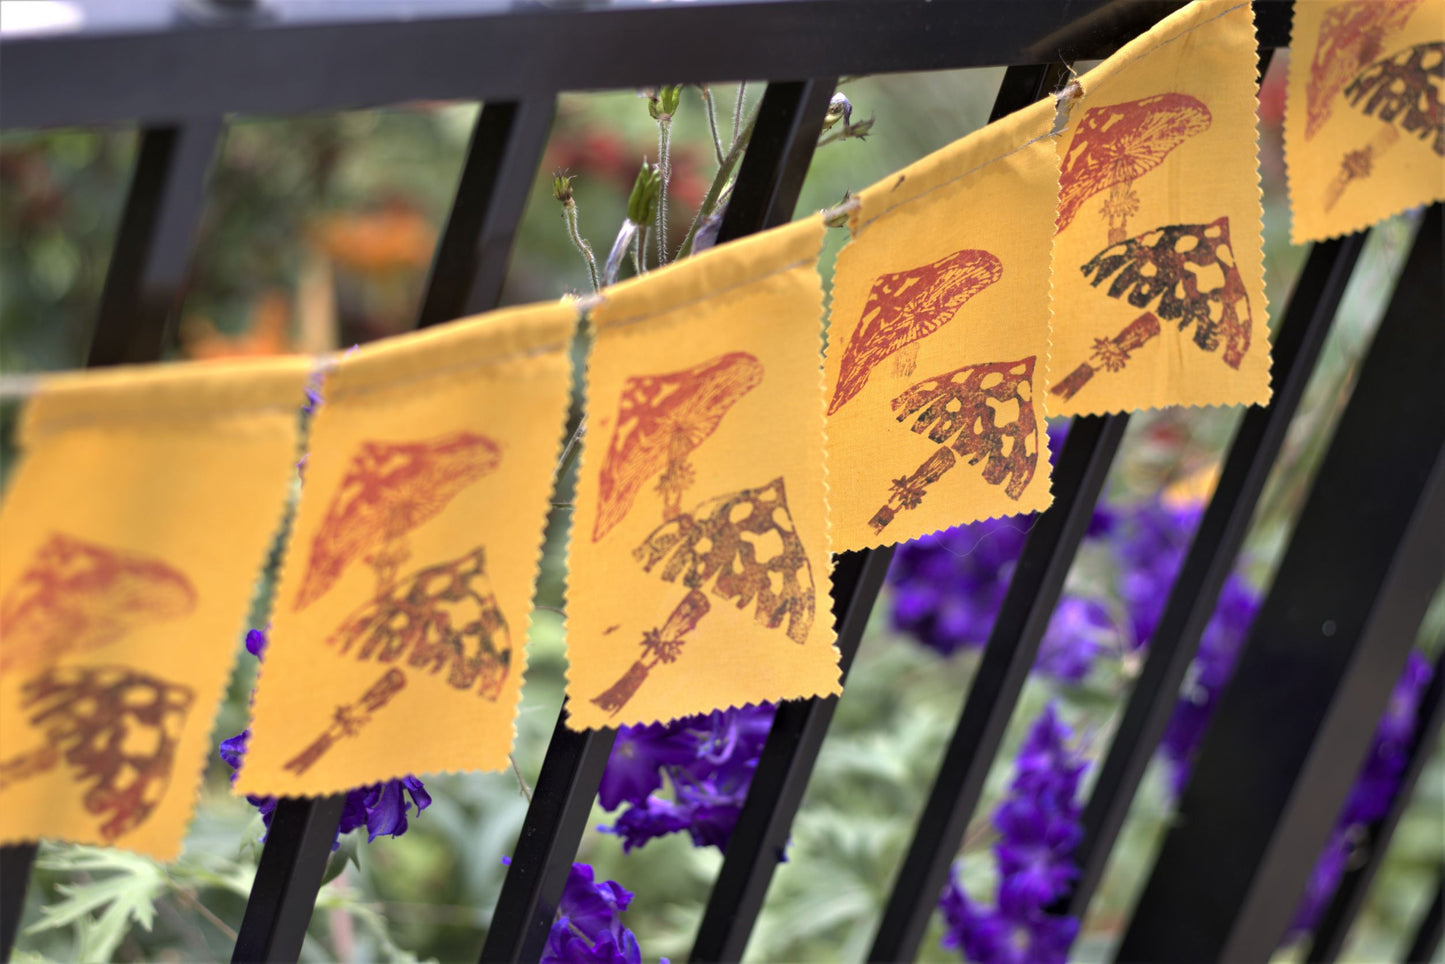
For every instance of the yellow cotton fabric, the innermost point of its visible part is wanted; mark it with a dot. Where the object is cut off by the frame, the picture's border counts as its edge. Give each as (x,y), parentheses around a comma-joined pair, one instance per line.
(938,346)
(1158,261)
(397,641)
(1364,135)
(134,529)
(699,572)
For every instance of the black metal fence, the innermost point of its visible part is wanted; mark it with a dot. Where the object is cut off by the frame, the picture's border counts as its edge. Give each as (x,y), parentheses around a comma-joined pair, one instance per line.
(1365,557)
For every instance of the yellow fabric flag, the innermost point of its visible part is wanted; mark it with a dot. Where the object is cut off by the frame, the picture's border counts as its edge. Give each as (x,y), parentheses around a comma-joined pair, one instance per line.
(1158,259)
(699,574)
(134,529)
(938,348)
(1364,130)
(397,644)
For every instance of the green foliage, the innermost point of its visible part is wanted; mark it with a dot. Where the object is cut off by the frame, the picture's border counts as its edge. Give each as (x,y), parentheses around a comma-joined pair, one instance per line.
(101,909)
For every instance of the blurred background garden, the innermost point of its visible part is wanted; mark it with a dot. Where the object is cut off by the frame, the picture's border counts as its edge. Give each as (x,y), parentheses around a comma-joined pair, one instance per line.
(319,235)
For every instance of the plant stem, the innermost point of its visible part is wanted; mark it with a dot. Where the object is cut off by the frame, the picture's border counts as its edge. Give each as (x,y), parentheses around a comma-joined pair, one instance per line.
(712,121)
(738,111)
(716,189)
(569,214)
(664,163)
(637,242)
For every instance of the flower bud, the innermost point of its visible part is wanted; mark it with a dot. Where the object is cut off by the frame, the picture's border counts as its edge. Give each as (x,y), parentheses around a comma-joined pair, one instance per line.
(839,109)
(642,203)
(664,102)
(562,187)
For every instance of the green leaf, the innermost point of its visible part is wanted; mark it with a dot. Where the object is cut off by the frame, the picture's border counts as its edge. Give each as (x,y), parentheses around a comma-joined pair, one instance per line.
(103,908)
(340,857)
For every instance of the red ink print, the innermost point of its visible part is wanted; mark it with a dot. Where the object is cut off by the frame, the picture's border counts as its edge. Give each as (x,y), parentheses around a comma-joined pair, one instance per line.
(905,306)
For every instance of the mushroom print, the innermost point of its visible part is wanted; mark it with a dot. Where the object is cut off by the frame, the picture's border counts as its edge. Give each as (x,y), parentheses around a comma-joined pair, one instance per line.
(660,420)
(744,547)
(389,490)
(444,620)
(1115,145)
(116,728)
(1351,36)
(905,306)
(77,596)
(1189,269)
(1403,89)
(441,617)
(965,405)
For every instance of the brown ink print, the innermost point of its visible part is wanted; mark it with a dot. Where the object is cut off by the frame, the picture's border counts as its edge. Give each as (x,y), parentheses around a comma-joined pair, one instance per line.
(743,547)
(1188,274)
(77,596)
(661,419)
(1115,145)
(444,620)
(440,617)
(389,489)
(967,411)
(906,306)
(1351,35)
(1403,89)
(116,727)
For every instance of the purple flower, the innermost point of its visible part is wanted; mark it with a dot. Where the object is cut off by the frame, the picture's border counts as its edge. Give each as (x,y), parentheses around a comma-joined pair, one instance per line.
(1150,542)
(1038,825)
(1373,792)
(708,763)
(1079,630)
(589,925)
(380,807)
(947,587)
(634,768)
(1209,673)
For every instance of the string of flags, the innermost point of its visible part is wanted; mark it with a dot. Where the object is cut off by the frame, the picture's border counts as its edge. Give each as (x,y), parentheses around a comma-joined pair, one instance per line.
(1097,252)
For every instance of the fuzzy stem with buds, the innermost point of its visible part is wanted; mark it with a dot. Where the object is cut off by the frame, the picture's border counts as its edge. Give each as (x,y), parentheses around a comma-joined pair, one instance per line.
(719,183)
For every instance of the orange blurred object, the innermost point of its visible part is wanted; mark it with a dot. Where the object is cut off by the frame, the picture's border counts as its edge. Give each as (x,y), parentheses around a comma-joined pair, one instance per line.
(268,334)
(393,238)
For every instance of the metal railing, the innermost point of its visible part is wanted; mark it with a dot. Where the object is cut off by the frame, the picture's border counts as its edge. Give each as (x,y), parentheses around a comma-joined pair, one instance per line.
(1363,561)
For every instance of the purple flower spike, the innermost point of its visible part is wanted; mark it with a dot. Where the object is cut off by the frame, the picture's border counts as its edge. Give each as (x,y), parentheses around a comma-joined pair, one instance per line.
(588,928)
(707,760)
(1373,793)
(1038,825)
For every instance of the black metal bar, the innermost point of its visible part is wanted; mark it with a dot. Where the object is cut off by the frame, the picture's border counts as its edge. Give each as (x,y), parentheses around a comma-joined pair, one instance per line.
(1216,543)
(542,858)
(796,736)
(302,58)
(152,248)
(15,862)
(1327,646)
(1018,629)
(790,118)
(476,246)
(1432,926)
(759,840)
(1334,925)
(284,891)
